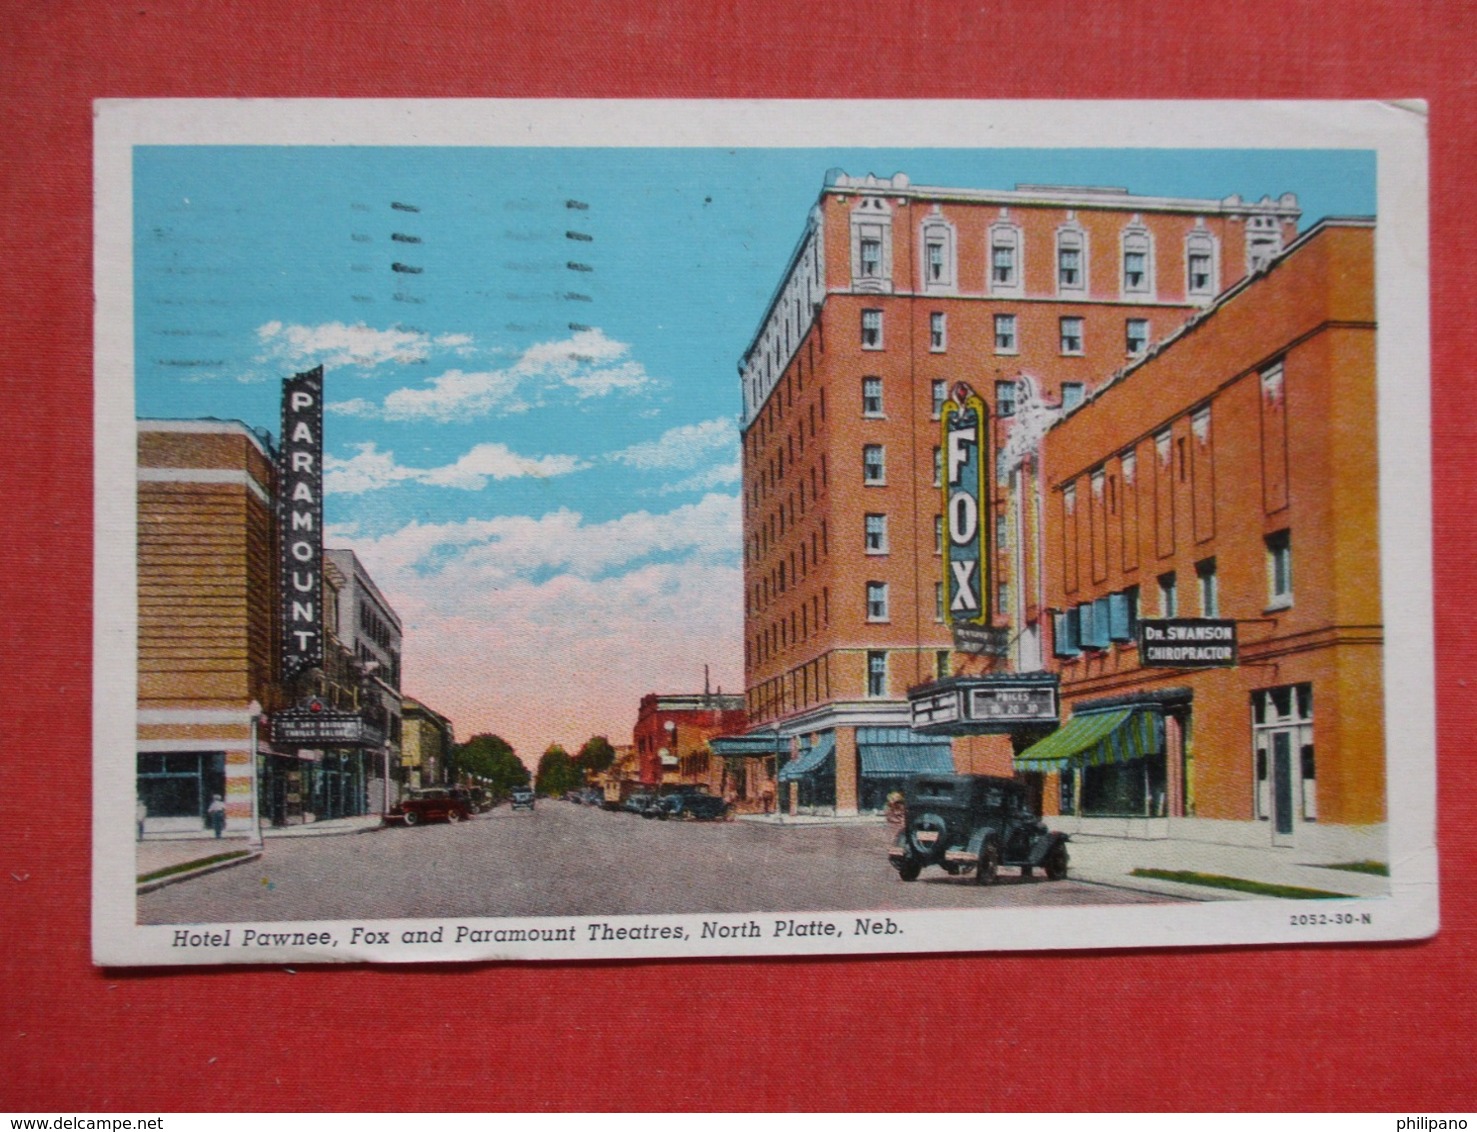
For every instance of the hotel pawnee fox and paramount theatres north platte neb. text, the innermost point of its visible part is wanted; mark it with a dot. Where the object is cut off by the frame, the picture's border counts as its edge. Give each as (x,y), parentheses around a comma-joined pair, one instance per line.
(1073,485)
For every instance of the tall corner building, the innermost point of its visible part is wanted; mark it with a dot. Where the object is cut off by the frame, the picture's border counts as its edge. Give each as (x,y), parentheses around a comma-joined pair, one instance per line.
(894,295)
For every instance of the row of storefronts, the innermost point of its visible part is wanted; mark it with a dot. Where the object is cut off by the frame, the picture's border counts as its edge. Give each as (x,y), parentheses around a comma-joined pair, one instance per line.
(223,717)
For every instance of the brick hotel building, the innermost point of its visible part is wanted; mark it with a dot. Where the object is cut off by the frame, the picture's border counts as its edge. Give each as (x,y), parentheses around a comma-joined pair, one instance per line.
(1035,298)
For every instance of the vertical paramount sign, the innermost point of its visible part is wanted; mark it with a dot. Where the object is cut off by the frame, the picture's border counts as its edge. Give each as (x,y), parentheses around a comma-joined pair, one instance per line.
(300,515)
(966,510)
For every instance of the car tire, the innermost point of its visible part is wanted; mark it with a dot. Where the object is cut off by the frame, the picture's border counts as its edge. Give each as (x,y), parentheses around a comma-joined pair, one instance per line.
(909,870)
(453,816)
(989,864)
(412,818)
(1056,862)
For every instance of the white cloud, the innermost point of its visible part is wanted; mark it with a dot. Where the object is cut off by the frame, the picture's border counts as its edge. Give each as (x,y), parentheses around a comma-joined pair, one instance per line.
(588,364)
(550,628)
(723,475)
(336,345)
(685,446)
(369,469)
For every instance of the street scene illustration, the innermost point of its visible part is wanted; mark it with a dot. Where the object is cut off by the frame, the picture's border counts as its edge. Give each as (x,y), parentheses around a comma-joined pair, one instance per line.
(576,532)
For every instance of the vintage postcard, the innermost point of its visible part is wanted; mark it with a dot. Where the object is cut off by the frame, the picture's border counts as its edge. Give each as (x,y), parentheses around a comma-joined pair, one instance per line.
(595,530)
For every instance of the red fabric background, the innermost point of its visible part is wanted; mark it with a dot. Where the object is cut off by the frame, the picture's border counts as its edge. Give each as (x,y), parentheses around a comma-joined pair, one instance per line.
(1381,1027)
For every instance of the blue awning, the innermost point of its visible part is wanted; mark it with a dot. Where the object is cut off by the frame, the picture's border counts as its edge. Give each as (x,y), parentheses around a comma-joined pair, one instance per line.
(811,761)
(757,745)
(1097,739)
(902,759)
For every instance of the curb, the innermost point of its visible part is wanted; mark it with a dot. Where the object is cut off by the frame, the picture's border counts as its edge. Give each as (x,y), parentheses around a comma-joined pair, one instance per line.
(204,870)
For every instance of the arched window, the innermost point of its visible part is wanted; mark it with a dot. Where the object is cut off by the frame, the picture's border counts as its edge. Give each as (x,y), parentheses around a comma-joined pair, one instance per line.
(1202,269)
(1138,260)
(938,253)
(1006,259)
(1071,260)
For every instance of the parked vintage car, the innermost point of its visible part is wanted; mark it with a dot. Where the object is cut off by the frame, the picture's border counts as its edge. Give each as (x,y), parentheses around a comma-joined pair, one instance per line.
(694,807)
(974,823)
(638,803)
(433,804)
(522,797)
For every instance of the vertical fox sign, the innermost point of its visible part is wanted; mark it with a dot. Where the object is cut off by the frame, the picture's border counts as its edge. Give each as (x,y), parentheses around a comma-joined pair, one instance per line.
(300,514)
(966,509)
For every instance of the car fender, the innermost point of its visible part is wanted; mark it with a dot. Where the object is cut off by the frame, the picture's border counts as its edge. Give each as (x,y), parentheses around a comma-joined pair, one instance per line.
(1043,843)
(980,836)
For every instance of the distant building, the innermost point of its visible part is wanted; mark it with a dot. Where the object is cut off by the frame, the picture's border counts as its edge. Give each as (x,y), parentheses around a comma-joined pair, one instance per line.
(672,733)
(426,743)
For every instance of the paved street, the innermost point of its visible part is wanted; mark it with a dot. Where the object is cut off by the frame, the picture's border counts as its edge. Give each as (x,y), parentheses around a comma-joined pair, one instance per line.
(564,859)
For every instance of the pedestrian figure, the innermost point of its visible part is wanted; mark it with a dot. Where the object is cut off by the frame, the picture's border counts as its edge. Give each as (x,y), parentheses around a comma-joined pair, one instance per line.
(216,815)
(897,810)
(141,811)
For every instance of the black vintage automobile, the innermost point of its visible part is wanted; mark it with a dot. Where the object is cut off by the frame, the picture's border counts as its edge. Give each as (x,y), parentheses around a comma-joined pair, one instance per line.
(694,806)
(974,823)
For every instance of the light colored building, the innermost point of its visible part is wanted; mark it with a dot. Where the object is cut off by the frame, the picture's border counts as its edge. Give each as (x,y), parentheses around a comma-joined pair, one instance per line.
(426,743)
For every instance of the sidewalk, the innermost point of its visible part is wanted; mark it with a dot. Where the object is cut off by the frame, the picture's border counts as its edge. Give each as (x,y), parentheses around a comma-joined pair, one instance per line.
(165,850)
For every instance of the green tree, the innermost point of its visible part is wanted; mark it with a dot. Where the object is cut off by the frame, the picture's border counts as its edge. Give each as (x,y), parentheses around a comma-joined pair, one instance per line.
(491,757)
(556,772)
(595,756)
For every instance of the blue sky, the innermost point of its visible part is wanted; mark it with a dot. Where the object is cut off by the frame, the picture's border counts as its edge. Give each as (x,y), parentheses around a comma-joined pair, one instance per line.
(532,438)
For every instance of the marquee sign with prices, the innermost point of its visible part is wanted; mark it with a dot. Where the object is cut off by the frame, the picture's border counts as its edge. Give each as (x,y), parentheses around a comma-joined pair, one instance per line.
(1187,642)
(985,705)
(315,724)
(966,458)
(300,518)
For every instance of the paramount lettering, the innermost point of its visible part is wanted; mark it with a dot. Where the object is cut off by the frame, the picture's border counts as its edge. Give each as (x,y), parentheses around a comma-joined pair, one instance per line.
(300,521)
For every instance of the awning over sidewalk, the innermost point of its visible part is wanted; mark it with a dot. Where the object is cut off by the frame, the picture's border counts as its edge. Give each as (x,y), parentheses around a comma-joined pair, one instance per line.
(757,745)
(1097,739)
(900,759)
(810,761)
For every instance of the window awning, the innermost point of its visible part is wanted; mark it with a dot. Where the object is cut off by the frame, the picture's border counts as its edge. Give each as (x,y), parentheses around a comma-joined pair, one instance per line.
(1097,739)
(811,761)
(756,745)
(901,759)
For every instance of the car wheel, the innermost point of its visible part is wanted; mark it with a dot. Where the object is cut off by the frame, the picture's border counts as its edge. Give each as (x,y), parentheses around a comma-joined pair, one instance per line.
(1056,862)
(909,870)
(453,816)
(951,868)
(412,818)
(989,865)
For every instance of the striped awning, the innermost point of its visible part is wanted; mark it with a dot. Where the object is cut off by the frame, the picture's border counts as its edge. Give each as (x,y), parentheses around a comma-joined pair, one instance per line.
(758,744)
(901,759)
(1097,739)
(810,761)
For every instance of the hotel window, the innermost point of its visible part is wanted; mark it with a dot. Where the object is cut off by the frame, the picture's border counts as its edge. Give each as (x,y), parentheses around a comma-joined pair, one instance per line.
(936,265)
(871,330)
(1138,261)
(938,601)
(876,601)
(1005,340)
(937,332)
(871,396)
(1005,259)
(874,464)
(1002,598)
(871,255)
(1071,261)
(1210,594)
(938,252)
(1073,393)
(1136,335)
(938,534)
(1071,335)
(1169,603)
(1279,569)
(940,395)
(1002,539)
(941,663)
(876,673)
(938,467)
(1005,392)
(1064,634)
(1200,281)
(876,534)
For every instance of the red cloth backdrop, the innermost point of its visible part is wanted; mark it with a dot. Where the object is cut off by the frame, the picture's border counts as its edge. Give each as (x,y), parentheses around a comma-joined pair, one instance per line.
(1378,1027)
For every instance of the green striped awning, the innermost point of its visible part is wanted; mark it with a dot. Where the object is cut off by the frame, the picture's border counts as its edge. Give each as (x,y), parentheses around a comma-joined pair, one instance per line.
(1097,739)
(811,761)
